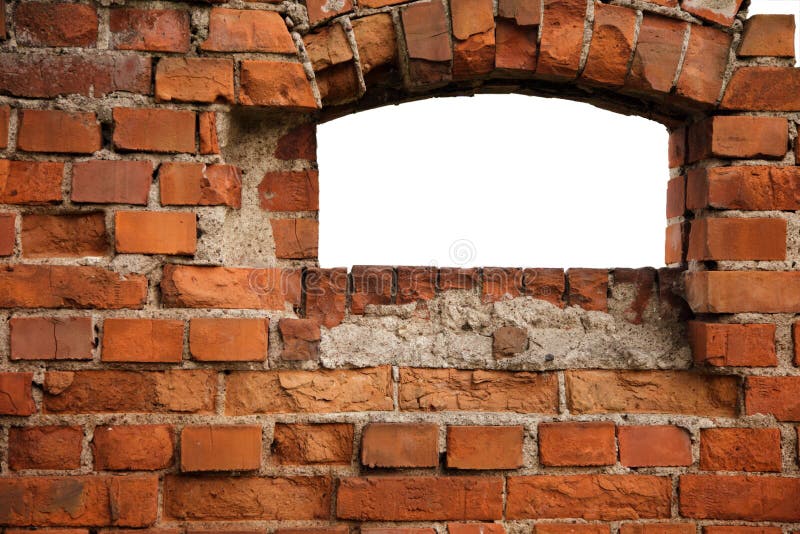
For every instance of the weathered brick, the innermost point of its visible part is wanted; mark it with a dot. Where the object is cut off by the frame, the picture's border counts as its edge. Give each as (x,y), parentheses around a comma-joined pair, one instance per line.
(228,340)
(516,46)
(562,39)
(246,498)
(221,448)
(16,396)
(150,232)
(523,12)
(474,39)
(58,131)
(774,395)
(733,345)
(451,278)
(484,447)
(571,528)
(133,447)
(744,188)
(235,30)
(676,197)
(768,35)
(326,291)
(612,45)
(206,80)
(427,36)
(51,75)
(142,340)
(91,501)
(289,191)
(739,137)
(415,284)
(591,497)
(747,498)
(677,147)
(737,239)
(198,184)
(509,341)
(377,44)
(61,286)
(371,285)
(275,84)
(420,498)
(111,182)
(8,233)
(501,284)
(189,286)
(595,391)
(207,132)
(400,445)
(5,118)
(180,391)
(321,391)
(155,30)
(154,130)
(299,142)
(475,528)
(545,284)
(40,24)
(577,444)
(658,528)
(44,447)
(658,52)
(652,446)
(51,338)
(739,529)
(295,238)
(495,391)
(313,444)
(675,243)
(721,291)
(71,235)
(319,10)
(713,10)
(704,65)
(328,47)
(301,339)
(588,288)
(740,449)
(762,89)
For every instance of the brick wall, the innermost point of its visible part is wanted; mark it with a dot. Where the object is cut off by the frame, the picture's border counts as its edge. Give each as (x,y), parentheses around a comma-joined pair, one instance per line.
(172,357)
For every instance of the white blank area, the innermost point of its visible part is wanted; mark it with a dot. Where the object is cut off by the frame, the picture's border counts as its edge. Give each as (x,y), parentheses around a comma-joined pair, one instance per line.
(492,180)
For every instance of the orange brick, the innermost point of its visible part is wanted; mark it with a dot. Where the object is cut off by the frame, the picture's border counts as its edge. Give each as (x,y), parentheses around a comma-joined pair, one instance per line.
(204,80)
(400,445)
(768,35)
(651,446)
(207,132)
(721,13)
(739,137)
(658,528)
(571,528)
(289,191)
(475,528)
(70,235)
(241,340)
(51,338)
(275,84)
(301,339)
(484,447)
(612,45)
(326,290)
(58,131)
(190,286)
(154,130)
(737,239)
(501,284)
(474,37)
(156,30)
(45,447)
(295,238)
(762,89)
(562,39)
(658,53)
(221,448)
(189,184)
(733,345)
(704,65)
(746,498)
(111,182)
(415,284)
(30,182)
(577,444)
(313,444)
(142,340)
(773,395)
(721,291)
(147,232)
(740,449)
(676,195)
(8,233)
(133,447)
(588,288)
(545,284)
(235,30)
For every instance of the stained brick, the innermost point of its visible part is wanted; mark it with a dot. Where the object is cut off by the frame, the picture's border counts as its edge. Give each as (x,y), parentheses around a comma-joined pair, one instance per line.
(8,233)
(51,338)
(474,34)
(326,290)
(72,235)
(371,285)
(562,39)
(762,89)
(415,284)
(588,288)
(301,339)
(612,45)
(658,51)
(713,11)
(704,65)
(313,444)
(768,35)
(44,447)
(319,10)
(501,284)
(545,284)
(40,24)
(155,30)
(16,397)
(427,38)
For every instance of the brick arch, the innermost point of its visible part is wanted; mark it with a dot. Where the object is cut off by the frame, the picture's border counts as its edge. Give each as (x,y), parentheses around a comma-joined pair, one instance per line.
(172,356)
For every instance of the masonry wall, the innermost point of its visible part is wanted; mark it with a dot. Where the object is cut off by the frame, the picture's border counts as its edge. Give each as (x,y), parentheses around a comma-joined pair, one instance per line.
(173,360)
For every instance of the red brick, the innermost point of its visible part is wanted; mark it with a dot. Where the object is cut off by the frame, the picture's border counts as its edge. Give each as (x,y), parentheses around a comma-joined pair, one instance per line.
(545,284)
(326,290)
(796,341)
(612,45)
(562,39)
(588,288)
(190,286)
(658,51)
(207,132)
(415,284)
(221,448)
(8,233)
(509,341)
(577,444)
(740,449)
(451,278)
(571,528)
(16,396)
(58,131)
(30,182)
(295,238)
(477,391)
(745,188)
(747,498)
(501,284)
(720,12)
(149,232)
(523,12)
(371,285)
(340,529)
(246,498)
(235,30)
(427,36)
(674,243)
(328,47)
(739,137)
(658,528)
(206,80)
(396,530)
(516,46)
(276,84)
(45,447)
(142,340)
(474,40)
(5,117)
(721,291)
(320,391)
(377,46)
(484,447)
(762,89)
(768,35)
(591,497)
(739,529)
(241,340)
(51,75)
(677,147)
(737,239)
(111,182)
(313,444)
(155,30)
(676,197)
(301,339)
(733,345)
(198,184)
(289,191)
(400,445)
(154,130)
(704,65)
(133,447)
(61,286)
(51,338)
(91,501)
(420,498)
(679,392)
(773,395)
(298,143)
(72,235)
(319,10)
(179,391)
(653,446)
(475,528)
(40,24)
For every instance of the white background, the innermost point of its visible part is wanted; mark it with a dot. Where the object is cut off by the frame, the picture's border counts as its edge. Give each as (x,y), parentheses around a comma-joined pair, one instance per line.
(496,180)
